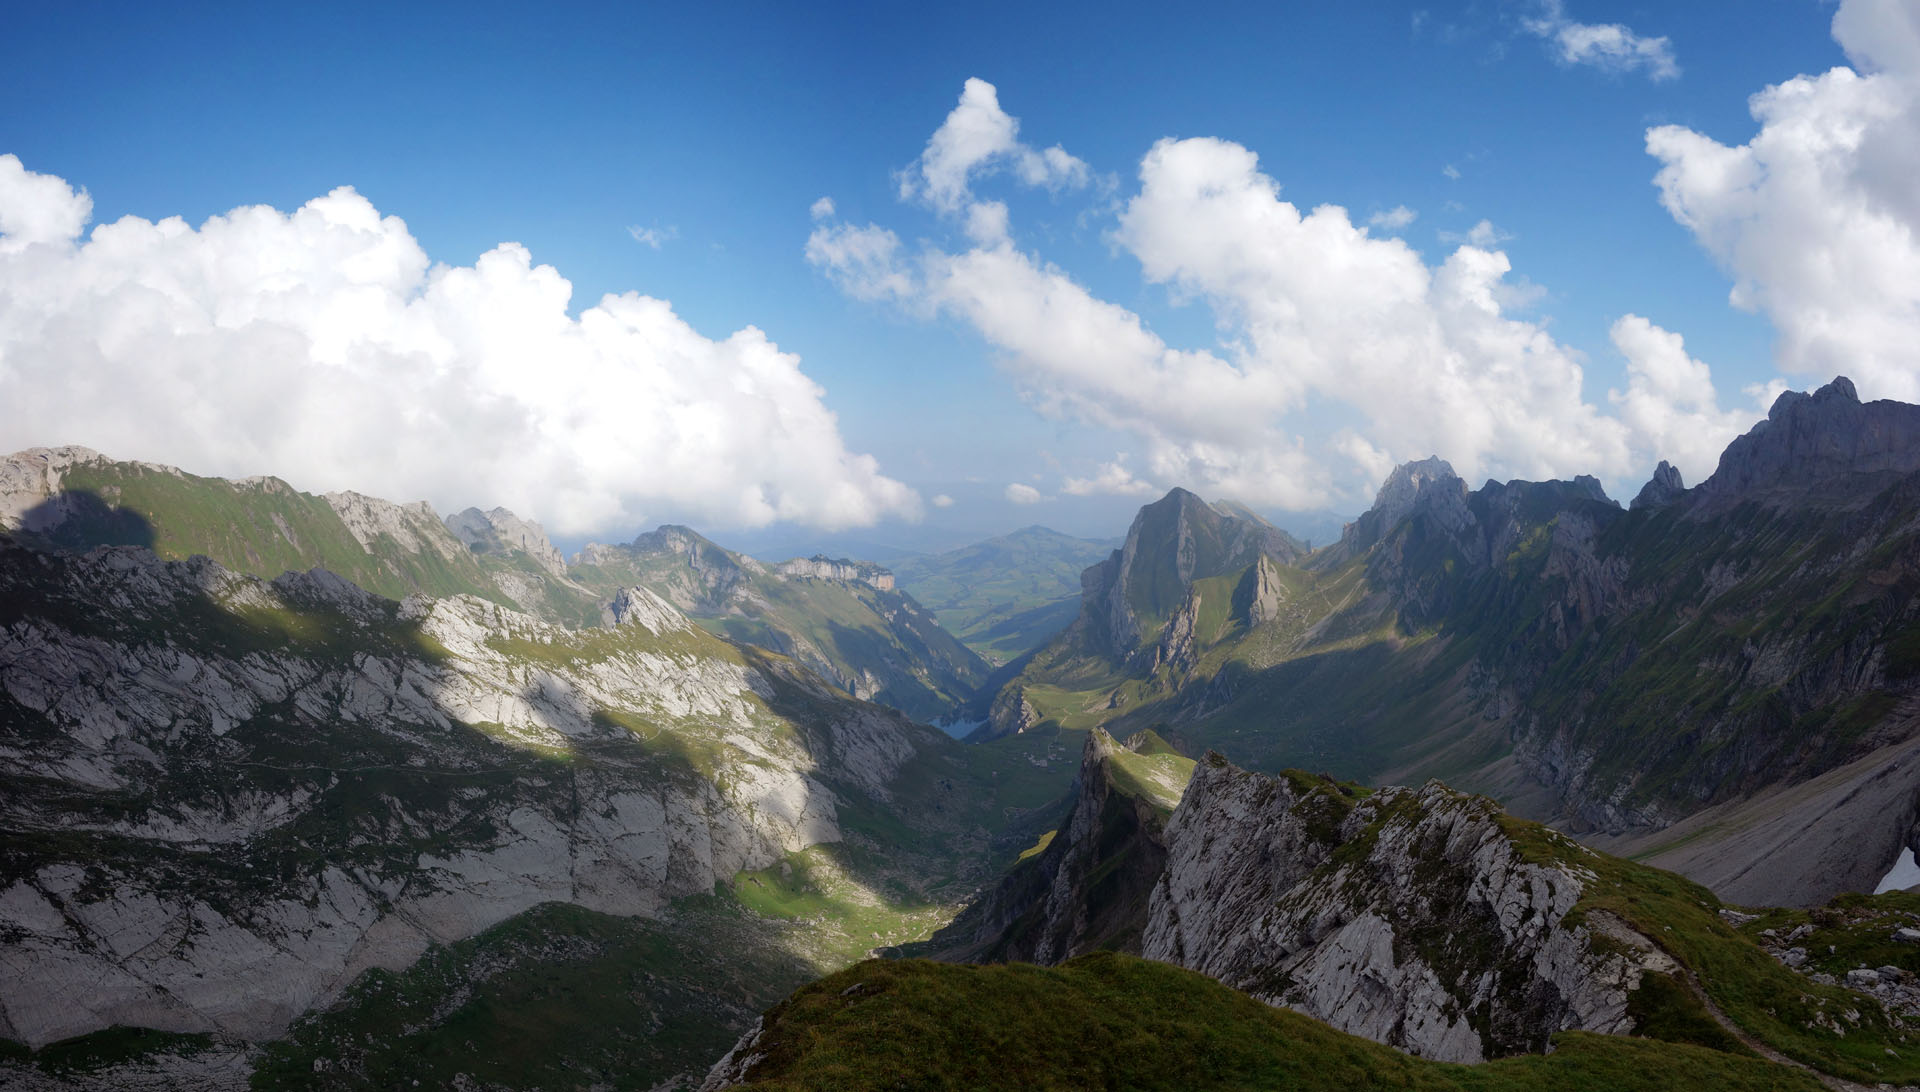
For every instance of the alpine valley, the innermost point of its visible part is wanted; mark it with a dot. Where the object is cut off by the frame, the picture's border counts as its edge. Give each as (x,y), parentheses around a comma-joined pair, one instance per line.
(1512,787)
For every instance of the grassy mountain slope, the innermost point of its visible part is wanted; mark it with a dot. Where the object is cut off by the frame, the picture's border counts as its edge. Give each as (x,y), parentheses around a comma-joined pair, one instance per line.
(265,527)
(1005,595)
(1112,1021)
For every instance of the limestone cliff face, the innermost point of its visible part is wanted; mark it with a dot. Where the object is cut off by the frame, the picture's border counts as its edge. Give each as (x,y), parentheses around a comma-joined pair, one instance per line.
(225,798)
(1408,916)
(820,567)
(414,527)
(1811,443)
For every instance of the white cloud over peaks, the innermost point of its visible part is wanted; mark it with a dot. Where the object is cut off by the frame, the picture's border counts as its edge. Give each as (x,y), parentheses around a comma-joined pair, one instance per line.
(1670,402)
(1319,307)
(1817,217)
(323,346)
(1610,47)
(978,136)
(1340,353)
(1021,493)
(1110,479)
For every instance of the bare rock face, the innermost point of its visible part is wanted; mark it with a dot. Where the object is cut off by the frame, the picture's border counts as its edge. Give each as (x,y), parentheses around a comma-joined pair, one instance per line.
(1176,648)
(820,567)
(1088,889)
(1826,447)
(1258,598)
(1011,714)
(500,531)
(1662,489)
(1172,542)
(29,478)
(1429,487)
(640,607)
(1408,916)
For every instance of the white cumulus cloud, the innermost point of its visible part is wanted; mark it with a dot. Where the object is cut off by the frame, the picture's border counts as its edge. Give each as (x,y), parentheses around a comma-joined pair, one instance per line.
(941,500)
(1817,217)
(1611,47)
(1022,493)
(1340,353)
(821,209)
(1392,219)
(1110,479)
(979,136)
(324,346)
(1670,402)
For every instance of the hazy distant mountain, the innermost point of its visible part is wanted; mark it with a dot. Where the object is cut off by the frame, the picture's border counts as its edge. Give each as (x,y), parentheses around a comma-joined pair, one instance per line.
(844,619)
(1006,595)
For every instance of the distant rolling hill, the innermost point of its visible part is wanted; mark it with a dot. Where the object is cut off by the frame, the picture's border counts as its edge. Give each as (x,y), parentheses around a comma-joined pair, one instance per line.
(1007,595)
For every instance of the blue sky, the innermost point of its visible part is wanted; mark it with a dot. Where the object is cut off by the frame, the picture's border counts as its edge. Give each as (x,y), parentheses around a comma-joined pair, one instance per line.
(676,152)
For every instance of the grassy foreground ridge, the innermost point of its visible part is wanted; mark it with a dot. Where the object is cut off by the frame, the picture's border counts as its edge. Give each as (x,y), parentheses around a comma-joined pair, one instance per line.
(1108,1021)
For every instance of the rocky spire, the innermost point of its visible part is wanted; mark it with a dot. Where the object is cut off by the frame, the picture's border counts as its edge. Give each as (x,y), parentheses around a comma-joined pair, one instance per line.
(1661,490)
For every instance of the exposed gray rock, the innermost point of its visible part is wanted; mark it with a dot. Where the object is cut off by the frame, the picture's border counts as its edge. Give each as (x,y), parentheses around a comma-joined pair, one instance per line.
(1257,599)
(1171,542)
(820,567)
(1662,489)
(1408,916)
(640,607)
(1823,448)
(1011,714)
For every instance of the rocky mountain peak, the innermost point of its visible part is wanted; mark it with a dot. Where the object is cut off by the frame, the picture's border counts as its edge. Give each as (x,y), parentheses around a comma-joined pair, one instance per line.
(1172,542)
(1661,490)
(1426,487)
(1826,447)
(500,531)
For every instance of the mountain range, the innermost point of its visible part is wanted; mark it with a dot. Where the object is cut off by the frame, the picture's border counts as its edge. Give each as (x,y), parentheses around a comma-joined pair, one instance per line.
(326,791)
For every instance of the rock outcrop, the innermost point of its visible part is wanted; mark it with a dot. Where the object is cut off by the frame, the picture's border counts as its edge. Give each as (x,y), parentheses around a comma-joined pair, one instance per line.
(844,620)
(820,567)
(1408,916)
(640,607)
(1257,599)
(1826,448)
(414,528)
(1662,489)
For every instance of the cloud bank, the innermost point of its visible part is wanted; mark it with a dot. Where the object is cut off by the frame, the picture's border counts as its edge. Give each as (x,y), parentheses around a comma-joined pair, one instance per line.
(1817,217)
(1320,320)
(323,346)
